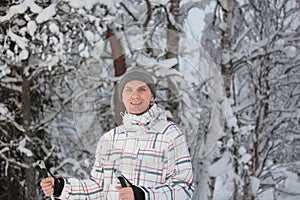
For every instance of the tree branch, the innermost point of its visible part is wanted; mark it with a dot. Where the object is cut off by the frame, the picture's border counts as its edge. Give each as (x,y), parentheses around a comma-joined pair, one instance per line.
(149,13)
(129,12)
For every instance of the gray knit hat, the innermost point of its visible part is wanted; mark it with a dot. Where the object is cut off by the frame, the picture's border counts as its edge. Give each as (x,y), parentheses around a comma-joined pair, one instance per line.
(136,74)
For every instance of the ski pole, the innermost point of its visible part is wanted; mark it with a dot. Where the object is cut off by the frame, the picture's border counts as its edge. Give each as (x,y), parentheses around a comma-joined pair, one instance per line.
(123,180)
(45,172)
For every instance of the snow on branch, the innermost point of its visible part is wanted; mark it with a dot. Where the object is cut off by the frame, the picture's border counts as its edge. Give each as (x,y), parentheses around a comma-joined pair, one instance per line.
(20,9)
(11,161)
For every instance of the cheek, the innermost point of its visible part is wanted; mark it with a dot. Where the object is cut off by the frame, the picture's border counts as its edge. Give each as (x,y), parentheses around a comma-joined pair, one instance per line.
(125,96)
(124,100)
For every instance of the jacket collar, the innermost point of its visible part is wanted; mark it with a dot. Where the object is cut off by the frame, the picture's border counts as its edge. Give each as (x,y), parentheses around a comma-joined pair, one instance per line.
(147,118)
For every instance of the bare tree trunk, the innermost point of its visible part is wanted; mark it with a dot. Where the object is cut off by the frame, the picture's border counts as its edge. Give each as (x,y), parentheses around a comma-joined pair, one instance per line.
(120,68)
(172,45)
(226,44)
(26,113)
(172,38)
(117,53)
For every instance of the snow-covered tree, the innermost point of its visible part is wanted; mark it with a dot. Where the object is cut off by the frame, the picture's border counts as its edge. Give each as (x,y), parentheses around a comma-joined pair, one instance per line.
(60,60)
(258,52)
(42,43)
(56,68)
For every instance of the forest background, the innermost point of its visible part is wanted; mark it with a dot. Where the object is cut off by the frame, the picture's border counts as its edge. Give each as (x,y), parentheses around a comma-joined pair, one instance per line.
(227,72)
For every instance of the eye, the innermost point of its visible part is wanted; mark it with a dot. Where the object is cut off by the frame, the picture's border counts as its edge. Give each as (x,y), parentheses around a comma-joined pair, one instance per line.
(143,89)
(127,90)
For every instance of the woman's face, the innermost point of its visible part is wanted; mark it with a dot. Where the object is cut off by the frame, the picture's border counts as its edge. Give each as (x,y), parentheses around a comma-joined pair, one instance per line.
(136,97)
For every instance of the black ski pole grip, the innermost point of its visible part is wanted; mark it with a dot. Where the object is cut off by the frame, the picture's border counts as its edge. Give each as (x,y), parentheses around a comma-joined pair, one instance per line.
(121,178)
(122,181)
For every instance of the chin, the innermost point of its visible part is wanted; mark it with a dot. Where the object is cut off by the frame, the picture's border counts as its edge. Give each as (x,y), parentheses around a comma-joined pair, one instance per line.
(136,112)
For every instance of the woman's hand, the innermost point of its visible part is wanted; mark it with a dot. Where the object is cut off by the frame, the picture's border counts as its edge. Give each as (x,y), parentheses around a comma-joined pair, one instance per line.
(47,185)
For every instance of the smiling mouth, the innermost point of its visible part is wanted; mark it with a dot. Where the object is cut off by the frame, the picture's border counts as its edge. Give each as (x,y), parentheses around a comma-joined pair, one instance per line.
(135,103)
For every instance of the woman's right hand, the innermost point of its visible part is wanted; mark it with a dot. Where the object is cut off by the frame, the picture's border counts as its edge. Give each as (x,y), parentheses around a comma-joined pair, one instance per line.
(47,185)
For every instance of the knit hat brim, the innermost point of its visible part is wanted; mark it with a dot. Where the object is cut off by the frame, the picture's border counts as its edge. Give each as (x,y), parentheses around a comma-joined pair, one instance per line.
(136,74)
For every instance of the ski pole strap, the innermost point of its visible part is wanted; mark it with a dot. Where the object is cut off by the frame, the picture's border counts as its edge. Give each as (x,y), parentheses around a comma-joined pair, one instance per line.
(58,186)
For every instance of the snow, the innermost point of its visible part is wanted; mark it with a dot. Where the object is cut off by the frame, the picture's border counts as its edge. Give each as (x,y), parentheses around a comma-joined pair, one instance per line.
(3,112)
(4,150)
(23,149)
(292,186)
(159,2)
(291,51)
(255,183)
(230,118)
(20,9)
(230,143)
(242,151)
(267,195)
(32,6)
(220,168)
(187,100)
(91,37)
(22,42)
(77,3)
(46,14)
(151,62)
(195,22)
(81,47)
(31,27)
(53,28)
(224,189)
(246,158)
(4,70)
(23,54)
(84,51)
(88,4)
(246,130)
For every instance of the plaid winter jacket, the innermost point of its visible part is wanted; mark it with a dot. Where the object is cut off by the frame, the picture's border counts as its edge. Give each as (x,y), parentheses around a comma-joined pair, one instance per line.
(151,153)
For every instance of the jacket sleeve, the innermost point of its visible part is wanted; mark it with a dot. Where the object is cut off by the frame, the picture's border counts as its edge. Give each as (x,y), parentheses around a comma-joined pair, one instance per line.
(90,188)
(179,178)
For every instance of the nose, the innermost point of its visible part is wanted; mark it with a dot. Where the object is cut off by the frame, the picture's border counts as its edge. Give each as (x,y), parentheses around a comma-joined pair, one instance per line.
(134,93)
